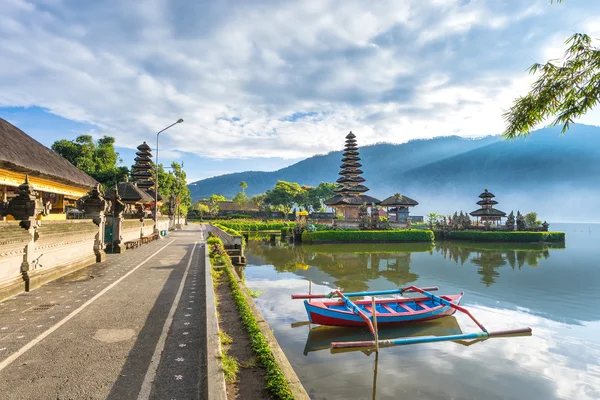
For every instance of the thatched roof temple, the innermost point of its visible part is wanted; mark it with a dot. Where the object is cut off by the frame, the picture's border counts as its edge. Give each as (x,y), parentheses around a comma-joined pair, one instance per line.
(487,212)
(57,180)
(350,190)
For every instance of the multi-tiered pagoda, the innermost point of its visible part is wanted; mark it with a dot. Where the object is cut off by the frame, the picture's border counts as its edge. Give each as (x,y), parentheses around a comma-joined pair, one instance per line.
(350,190)
(487,212)
(142,169)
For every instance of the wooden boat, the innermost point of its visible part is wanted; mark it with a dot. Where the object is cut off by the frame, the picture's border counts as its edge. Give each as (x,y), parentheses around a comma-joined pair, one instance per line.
(346,312)
(388,311)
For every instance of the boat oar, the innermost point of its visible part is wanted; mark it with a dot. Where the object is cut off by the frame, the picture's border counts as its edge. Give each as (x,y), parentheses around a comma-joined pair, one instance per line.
(357,294)
(429,339)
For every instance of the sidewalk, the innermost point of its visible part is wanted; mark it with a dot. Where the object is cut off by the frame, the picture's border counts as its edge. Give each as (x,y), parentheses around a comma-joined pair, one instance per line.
(131,327)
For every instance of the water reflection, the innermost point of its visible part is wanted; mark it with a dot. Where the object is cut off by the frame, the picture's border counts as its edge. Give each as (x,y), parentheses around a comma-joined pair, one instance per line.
(553,290)
(490,257)
(352,266)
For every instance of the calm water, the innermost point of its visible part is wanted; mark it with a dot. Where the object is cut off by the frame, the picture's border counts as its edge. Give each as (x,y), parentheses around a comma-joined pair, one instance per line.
(553,289)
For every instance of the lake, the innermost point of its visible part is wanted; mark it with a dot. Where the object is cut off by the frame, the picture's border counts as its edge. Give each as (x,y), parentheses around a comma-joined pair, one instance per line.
(551,288)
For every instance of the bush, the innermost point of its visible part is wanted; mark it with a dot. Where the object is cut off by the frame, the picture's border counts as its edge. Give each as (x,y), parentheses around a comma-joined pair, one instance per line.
(285,231)
(355,236)
(251,225)
(507,236)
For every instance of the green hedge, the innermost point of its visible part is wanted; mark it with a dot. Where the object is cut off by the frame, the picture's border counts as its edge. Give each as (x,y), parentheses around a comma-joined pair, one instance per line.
(409,235)
(506,236)
(250,225)
(285,231)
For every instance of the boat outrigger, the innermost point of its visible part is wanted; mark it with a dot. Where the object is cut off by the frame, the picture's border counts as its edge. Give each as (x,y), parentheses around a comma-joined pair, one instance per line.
(345,312)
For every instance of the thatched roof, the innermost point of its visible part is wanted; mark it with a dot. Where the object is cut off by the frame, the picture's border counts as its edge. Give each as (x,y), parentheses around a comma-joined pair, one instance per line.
(399,200)
(345,179)
(21,153)
(350,135)
(144,147)
(486,201)
(130,193)
(350,189)
(488,212)
(486,194)
(351,200)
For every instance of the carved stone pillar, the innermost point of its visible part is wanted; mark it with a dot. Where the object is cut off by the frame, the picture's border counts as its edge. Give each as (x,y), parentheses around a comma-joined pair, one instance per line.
(95,206)
(25,208)
(117,207)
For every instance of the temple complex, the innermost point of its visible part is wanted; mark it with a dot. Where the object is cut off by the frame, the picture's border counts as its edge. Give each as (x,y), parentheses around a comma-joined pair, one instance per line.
(350,190)
(57,182)
(487,213)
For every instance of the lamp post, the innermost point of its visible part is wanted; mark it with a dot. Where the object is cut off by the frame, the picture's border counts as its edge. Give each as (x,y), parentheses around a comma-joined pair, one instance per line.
(156,179)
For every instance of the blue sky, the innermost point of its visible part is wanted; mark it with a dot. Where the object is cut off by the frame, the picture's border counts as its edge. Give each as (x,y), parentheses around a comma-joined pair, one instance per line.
(262,84)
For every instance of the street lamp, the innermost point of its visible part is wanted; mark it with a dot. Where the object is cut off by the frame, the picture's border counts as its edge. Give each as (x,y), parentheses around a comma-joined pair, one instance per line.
(156,179)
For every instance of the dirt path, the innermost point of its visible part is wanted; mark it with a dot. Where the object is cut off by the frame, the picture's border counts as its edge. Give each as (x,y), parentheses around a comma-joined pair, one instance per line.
(251,377)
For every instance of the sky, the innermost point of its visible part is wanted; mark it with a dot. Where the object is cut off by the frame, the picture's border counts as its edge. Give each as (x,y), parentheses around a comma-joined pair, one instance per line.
(262,84)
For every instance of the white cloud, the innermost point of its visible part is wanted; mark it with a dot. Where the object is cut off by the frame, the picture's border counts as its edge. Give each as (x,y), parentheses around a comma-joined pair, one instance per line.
(237,71)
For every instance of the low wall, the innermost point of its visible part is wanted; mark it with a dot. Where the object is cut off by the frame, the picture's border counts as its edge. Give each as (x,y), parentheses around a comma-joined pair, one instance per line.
(59,247)
(225,237)
(131,229)
(13,240)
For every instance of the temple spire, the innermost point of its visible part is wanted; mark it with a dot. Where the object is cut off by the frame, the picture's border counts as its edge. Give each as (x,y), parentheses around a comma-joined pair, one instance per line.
(351,181)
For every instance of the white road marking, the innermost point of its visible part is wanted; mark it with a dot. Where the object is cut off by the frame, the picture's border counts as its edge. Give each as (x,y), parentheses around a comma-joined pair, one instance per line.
(9,360)
(160,346)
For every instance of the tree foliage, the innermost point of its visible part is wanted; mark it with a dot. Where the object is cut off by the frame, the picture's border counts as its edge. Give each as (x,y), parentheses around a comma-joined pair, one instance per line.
(173,185)
(97,159)
(284,195)
(565,90)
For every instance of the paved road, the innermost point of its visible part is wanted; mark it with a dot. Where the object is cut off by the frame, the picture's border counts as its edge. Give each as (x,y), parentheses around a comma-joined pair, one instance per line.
(129,328)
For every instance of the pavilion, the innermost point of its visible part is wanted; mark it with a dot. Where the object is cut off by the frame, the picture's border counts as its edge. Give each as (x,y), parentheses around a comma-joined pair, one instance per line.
(487,213)
(350,195)
(58,182)
(398,206)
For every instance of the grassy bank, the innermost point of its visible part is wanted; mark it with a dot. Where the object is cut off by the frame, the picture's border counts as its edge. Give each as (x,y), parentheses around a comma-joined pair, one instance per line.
(339,236)
(523,237)
(275,381)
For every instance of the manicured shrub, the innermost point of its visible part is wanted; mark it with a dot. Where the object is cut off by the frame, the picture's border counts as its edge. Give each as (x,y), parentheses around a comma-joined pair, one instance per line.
(409,235)
(252,224)
(506,236)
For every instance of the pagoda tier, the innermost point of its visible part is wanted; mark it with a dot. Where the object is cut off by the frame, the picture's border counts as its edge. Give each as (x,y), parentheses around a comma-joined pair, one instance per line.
(142,169)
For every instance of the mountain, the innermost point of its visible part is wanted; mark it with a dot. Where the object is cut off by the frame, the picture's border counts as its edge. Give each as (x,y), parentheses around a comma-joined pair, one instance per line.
(378,161)
(556,175)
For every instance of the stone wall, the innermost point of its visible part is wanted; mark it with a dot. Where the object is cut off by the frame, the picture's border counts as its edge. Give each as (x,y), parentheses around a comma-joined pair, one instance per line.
(55,248)
(131,229)
(13,240)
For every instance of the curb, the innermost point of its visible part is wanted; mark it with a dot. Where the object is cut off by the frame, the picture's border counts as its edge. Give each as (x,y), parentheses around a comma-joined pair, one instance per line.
(214,372)
(296,387)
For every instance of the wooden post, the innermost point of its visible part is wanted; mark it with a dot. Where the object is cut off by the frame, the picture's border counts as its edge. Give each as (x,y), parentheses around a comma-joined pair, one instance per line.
(309,288)
(4,197)
(374,313)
